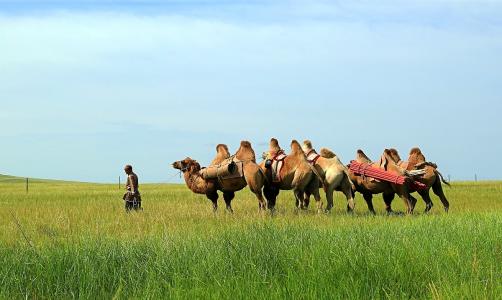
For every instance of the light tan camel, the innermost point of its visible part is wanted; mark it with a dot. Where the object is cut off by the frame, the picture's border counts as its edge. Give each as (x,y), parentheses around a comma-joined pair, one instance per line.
(369,186)
(431,178)
(253,177)
(334,174)
(296,174)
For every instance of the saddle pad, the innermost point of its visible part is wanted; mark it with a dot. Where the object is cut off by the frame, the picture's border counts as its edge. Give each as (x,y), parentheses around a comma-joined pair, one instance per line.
(229,168)
(237,172)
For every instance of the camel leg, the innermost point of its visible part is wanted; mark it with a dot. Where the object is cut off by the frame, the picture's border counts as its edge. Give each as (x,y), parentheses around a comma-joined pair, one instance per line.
(255,181)
(228,196)
(405,195)
(437,188)
(317,197)
(427,199)
(299,194)
(368,197)
(413,202)
(257,191)
(329,198)
(347,191)
(261,201)
(214,198)
(306,200)
(387,199)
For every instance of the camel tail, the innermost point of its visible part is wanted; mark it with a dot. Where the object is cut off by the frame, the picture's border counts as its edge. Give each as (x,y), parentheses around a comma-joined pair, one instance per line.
(442,178)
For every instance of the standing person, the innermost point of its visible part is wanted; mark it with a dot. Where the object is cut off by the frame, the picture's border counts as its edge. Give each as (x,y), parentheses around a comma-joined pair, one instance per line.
(132,196)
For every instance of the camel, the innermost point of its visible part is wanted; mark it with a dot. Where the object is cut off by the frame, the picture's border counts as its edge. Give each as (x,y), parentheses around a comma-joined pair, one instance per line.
(369,187)
(253,177)
(296,174)
(334,174)
(431,178)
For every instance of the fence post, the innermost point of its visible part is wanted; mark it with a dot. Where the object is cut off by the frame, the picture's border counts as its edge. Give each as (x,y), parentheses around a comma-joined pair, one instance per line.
(119,182)
(27,184)
(449,178)
(476,177)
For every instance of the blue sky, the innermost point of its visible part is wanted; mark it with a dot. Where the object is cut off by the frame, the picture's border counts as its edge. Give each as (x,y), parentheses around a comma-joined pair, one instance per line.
(87,86)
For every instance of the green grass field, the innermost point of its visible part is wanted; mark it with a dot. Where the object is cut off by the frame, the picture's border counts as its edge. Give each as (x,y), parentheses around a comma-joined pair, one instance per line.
(74,240)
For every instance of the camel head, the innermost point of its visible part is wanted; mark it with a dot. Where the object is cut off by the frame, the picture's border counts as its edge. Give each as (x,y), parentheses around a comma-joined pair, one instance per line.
(307,146)
(246,152)
(186,165)
(416,155)
(394,155)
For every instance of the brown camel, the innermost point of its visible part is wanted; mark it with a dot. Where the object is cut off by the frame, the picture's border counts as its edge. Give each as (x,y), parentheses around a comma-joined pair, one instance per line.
(253,177)
(431,178)
(369,186)
(335,176)
(296,174)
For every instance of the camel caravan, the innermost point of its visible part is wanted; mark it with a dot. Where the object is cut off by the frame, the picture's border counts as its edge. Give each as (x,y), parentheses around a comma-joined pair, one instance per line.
(305,171)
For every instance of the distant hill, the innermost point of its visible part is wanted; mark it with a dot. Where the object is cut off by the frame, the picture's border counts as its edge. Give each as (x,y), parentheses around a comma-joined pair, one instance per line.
(8,177)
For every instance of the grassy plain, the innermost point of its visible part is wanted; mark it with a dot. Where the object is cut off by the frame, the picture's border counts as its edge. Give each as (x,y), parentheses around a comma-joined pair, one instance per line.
(73,240)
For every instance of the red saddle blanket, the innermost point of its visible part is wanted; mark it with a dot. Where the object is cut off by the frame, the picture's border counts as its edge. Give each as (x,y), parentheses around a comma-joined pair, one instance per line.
(377,173)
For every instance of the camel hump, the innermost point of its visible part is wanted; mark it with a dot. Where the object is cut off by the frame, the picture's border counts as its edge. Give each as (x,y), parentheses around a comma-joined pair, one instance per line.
(295,147)
(222,148)
(416,155)
(245,144)
(394,154)
(245,152)
(326,153)
(362,155)
(274,142)
(307,146)
(415,150)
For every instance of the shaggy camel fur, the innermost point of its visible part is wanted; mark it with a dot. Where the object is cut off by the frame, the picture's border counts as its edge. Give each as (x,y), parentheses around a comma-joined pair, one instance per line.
(253,177)
(431,178)
(335,176)
(369,187)
(296,174)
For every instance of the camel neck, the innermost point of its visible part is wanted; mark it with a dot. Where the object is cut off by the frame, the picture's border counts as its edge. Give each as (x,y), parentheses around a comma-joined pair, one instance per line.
(195,182)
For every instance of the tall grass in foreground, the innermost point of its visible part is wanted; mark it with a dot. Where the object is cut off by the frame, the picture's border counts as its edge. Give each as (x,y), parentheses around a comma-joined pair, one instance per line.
(74,241)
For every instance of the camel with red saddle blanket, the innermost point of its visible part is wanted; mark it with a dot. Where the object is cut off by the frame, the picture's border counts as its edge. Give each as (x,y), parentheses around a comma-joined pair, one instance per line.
(288,172)
(431,178)
(333,173)
(228,174)
(396,180)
